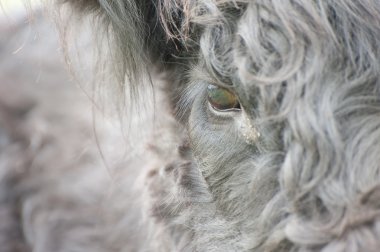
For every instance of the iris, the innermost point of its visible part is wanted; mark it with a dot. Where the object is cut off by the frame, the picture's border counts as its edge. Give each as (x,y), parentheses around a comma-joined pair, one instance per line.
(222,99)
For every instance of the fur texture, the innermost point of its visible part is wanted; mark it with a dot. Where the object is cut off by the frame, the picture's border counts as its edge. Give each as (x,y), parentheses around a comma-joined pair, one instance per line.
(296,169)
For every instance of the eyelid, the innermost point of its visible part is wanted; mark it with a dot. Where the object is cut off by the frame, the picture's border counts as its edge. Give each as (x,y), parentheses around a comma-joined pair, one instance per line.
(230,88)
(218,111)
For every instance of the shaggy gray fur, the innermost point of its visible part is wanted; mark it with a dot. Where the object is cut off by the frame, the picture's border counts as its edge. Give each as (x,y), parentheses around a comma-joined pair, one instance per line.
(296,169)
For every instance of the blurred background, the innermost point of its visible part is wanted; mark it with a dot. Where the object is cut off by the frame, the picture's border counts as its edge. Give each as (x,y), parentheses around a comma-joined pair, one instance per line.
(43,105)
(60,157)
(48,103)
(54,153)
(34,81)
(13,9)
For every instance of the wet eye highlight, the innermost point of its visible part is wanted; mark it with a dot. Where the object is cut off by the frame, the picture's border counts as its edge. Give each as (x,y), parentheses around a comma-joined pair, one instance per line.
(222,99)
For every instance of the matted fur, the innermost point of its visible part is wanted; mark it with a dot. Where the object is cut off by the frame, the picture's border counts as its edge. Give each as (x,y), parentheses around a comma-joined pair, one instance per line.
(297,169)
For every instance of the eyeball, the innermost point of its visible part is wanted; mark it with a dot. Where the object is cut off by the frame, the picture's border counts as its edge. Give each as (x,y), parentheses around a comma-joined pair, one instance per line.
(222,99)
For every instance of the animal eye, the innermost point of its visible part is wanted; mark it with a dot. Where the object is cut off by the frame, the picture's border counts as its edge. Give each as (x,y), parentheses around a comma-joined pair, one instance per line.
(222,99)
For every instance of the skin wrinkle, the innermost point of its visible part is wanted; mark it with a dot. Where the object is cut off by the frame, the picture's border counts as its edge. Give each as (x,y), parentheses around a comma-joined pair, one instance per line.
(296,169)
